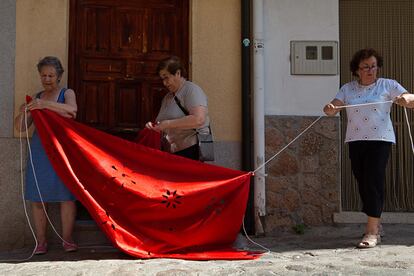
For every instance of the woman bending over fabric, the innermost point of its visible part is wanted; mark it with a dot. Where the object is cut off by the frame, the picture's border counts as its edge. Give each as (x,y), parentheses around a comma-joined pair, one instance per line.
(178,129)
(63,102)
(369,132)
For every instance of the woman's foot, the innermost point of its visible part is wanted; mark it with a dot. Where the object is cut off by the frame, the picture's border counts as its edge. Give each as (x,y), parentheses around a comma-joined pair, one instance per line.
(69,246)
(41,249)
(381,231)
(369,241)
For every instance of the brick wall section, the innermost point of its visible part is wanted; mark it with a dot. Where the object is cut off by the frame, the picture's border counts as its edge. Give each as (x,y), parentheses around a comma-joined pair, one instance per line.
(303,182)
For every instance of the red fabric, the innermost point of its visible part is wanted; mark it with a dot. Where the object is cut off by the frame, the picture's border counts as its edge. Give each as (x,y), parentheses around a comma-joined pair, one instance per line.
(150,204)
(149,138)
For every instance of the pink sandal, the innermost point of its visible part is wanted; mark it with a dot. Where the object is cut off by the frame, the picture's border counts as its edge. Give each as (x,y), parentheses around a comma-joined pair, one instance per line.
(41,249)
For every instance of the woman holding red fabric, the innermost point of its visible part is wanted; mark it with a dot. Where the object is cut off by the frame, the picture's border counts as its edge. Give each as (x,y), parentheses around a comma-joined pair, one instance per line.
(48,187)
(183,112)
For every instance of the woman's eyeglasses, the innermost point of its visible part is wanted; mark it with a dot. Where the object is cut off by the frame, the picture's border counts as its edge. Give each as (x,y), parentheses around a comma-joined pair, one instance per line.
(368,68)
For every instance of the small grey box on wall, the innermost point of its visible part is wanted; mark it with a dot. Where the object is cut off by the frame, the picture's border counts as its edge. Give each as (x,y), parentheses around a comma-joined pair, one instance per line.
(314,57)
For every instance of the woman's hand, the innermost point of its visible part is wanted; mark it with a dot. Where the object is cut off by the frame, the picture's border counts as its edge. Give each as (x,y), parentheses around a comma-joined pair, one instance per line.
(406,100)
(333,107)
(330,109)
(37,104)
(159,126)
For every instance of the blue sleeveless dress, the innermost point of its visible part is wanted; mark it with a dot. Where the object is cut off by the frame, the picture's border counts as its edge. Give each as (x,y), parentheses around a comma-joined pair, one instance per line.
(51,187)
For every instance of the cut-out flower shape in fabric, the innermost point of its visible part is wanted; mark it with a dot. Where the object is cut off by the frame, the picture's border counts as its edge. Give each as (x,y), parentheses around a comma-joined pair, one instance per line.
(171,199)
(215,205)
(122,175)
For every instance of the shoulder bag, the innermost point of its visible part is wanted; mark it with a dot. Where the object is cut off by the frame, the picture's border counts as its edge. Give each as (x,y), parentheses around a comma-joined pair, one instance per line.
(205,140)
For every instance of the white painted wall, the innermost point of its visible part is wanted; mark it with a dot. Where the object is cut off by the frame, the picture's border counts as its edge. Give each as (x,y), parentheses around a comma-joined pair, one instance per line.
(287,20)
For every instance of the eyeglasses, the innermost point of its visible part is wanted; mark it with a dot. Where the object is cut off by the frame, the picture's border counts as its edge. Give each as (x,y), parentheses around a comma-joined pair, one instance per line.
(368,68)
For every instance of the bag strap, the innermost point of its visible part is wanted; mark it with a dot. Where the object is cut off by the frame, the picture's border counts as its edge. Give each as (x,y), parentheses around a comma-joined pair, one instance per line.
(185,111)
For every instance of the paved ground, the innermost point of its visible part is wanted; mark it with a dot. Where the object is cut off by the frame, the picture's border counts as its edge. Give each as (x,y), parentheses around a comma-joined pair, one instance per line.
(320,251)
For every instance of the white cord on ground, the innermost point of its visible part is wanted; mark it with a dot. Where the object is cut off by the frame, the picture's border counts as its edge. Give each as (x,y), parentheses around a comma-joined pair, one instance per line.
(252,241)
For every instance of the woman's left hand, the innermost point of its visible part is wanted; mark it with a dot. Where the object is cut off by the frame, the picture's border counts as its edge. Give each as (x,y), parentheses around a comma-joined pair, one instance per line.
(36,104)
(406,100)
(158,127)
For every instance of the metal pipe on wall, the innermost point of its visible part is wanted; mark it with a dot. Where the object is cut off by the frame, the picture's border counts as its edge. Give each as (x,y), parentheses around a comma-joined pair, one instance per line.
(259,116)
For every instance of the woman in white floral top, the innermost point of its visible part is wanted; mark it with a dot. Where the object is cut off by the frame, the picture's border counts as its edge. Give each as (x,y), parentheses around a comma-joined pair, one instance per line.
(369,132)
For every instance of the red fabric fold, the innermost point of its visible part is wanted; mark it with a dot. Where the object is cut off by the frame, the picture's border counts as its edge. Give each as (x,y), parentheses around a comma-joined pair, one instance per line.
(150,204)
(149,138)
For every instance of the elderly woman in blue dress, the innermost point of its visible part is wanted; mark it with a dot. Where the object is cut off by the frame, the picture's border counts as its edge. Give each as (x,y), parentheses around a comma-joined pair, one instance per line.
(51,188)
(369,132)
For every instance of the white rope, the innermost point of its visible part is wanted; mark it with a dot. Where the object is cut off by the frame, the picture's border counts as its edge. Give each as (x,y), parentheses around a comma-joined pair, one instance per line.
(252,241)
(37,184)
(365,104)
(291,142)
(409,129)
(22,189)
(23,200)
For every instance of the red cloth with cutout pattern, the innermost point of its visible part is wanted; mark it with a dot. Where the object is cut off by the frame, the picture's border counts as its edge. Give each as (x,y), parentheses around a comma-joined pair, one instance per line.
(150,204)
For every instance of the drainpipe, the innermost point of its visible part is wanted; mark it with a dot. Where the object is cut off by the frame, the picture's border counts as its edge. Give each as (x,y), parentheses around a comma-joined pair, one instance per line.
(247,153)
(258,125)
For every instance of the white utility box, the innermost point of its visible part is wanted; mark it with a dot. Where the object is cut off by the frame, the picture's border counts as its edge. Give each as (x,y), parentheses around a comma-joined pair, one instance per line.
(314,57)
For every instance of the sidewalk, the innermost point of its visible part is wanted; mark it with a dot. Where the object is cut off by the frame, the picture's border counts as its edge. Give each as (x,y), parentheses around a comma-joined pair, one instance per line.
(320,251)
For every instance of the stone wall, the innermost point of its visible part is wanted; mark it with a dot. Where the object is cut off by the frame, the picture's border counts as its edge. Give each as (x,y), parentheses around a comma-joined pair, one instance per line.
(303,182)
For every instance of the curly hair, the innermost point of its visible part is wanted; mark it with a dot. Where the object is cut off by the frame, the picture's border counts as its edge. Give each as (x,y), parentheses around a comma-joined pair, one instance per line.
(361,55)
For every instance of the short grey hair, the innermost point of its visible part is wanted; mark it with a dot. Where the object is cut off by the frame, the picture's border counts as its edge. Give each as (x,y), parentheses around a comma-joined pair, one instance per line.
(51,61)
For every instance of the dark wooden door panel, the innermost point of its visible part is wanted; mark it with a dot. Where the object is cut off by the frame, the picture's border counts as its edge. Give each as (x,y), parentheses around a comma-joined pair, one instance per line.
(95,93)
(129,38)
(128,103)
(162,35)
(95,31)
(115,46)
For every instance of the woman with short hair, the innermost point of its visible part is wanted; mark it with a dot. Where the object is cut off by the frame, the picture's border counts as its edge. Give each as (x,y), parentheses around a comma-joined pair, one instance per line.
(51,189)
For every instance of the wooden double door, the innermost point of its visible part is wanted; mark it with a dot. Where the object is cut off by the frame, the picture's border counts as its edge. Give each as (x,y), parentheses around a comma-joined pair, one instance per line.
(115,46)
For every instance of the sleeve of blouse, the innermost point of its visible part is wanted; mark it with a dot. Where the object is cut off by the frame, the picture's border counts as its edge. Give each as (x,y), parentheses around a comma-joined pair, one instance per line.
(396,89)
(341,94)
(196,97)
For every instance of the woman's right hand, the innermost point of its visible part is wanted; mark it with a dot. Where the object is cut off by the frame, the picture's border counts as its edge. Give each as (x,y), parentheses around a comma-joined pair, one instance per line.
(22,108)
(333,107)
(152,126)
(330,109)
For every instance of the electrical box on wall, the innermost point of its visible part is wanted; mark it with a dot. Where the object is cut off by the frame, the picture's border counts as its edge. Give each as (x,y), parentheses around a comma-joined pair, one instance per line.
(314,57)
